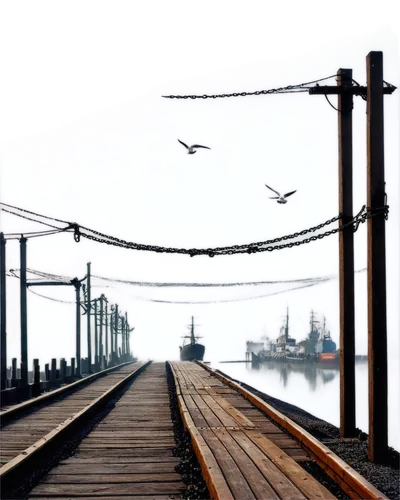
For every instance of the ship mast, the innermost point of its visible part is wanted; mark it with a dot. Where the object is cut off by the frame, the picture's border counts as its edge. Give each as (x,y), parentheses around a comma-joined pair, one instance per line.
(287,325)
(192,335)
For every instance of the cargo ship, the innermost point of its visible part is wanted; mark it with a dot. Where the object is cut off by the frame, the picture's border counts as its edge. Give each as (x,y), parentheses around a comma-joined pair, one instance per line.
(318,346)
(191,350)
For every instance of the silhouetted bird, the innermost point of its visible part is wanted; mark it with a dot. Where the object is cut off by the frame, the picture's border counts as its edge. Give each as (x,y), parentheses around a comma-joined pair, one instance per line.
(191,148)
(281,197)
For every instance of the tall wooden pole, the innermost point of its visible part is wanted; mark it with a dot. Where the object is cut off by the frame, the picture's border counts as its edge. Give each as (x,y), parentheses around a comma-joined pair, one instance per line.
(96,338)
(346,257)
(78,328)
(116,331)
(3,314)
(377,335)
(101,329)
(24,321)
(88,311)
(107,332)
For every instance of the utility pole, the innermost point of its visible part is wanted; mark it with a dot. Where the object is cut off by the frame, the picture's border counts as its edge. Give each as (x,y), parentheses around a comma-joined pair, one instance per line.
(101,329)
(96,338)
(126,333)
(346,90)
(112,334)
(24,323)
(106,332)
(116,331)
(346,257)
(3,313)
(376,200)
(88,306)
(77,285)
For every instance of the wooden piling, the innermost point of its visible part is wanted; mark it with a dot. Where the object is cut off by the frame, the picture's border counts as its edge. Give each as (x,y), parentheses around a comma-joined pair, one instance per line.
(377,330)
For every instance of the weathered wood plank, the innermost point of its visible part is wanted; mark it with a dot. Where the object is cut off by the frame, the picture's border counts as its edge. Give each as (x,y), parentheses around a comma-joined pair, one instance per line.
(100,490)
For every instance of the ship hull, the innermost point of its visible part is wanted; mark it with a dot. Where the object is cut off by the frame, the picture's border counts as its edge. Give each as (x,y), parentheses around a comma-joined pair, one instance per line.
(191,352)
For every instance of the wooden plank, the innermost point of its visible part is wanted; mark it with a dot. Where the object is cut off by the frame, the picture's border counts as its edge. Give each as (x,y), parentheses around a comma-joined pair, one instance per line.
(258,484)
(282,485)
(233,476)
(111,478)
(171,488)
(111,467)
(220,412)
(209,416)
(234,412)
(309,486)
(76,459)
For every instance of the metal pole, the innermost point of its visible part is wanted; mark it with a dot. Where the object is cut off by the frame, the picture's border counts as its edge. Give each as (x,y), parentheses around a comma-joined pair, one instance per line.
(88,305)
(96,338)
(78,328)
(111,333)
(116,331)
(24,323)
(3,338)
(126,333)
(101,329)
(346,257)
(377,333)
(107,332)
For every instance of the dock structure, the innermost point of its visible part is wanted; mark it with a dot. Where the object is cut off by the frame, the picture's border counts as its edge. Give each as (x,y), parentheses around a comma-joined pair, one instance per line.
(129,447)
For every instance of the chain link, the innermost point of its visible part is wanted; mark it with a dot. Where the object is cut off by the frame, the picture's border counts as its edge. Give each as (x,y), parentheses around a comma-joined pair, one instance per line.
(261,246)
(264,246)
(302,87)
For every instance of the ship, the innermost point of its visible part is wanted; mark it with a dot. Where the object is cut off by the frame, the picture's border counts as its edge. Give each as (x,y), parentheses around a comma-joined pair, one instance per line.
(191,350)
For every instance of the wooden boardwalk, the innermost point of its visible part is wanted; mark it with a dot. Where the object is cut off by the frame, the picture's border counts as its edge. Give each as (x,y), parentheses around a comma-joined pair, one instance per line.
(243,455)
(22,433)
(129,453)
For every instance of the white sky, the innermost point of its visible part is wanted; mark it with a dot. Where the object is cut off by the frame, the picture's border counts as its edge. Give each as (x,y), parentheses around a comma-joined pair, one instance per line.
(85,136)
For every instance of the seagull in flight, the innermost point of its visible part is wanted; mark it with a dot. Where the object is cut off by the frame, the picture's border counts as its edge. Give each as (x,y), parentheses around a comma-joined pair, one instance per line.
(190,149)
(281,197)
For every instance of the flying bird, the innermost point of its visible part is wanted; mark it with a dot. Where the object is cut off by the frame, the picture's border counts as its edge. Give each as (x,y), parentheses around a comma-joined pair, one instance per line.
(281,197)
(191,149)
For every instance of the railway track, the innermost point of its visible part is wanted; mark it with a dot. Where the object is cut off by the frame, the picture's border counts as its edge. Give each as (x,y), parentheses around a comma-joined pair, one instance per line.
(35,429)
(114,438)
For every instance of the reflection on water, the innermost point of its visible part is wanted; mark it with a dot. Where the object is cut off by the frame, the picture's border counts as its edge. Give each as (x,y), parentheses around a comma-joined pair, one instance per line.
(316,389)
(312,372)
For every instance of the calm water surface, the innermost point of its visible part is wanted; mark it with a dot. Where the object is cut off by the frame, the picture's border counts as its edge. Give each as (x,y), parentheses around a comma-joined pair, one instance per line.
(316,390)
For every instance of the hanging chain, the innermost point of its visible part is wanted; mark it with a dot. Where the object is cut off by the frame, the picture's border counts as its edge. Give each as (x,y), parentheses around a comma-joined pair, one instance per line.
(264,246)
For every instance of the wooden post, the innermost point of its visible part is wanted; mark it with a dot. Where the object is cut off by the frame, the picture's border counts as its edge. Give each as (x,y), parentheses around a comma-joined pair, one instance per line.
(14,372)
(36,378)
(63,369)
(53,375)
(377,335)
(24,323)
(346,257)
(3,338)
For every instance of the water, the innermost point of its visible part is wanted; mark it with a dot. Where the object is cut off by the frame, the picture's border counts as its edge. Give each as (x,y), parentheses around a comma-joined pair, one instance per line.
(316,390)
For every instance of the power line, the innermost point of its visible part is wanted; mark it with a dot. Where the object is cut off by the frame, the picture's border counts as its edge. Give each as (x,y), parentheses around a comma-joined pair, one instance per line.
(151,284)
